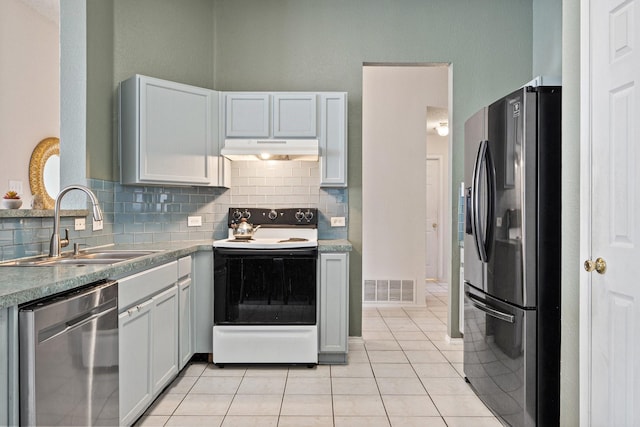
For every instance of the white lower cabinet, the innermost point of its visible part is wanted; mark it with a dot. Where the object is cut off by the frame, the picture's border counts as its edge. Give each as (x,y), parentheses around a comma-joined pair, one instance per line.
(334,307)
(135,348)
(148,337)
(165,338)
(186,313)
(9,367)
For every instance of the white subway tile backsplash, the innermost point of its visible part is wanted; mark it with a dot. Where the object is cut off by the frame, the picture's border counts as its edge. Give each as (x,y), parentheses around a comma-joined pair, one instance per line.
(284,184)
(259,181)
(274,181)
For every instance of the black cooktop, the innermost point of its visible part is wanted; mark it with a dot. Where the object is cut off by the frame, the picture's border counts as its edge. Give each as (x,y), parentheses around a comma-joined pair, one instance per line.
(286,217)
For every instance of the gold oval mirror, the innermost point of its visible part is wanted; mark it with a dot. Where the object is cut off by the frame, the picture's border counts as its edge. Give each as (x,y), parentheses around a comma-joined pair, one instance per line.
(44,173)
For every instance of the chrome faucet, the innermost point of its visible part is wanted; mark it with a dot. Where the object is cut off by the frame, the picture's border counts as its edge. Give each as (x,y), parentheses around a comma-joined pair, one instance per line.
(57,243)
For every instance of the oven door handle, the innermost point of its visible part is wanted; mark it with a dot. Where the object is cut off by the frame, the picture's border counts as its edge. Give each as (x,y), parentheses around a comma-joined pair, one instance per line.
(483,306)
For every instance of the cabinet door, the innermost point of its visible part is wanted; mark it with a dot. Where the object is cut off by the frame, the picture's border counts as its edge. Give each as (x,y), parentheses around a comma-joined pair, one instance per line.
(134,353)
(175,132)
(334,302)
(333,140)
(9,366)
(164,359)
(167,132)
(185,291)
(247,115)
(294,115)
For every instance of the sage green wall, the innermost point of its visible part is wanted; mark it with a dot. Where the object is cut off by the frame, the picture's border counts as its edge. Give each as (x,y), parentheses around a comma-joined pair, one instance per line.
(168,39)
(547,38)
(322,45)
(100,115)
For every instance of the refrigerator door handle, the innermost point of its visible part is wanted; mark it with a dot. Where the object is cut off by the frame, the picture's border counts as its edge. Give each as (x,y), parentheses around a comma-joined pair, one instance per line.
(483,306)
(475,201)
(478,234)
(491,191)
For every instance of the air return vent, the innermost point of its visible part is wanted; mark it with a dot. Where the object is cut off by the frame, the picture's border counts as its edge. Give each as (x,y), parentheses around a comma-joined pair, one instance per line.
(389,291)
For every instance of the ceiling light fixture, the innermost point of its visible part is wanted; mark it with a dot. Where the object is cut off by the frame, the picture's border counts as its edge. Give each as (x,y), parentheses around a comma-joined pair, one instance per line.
(442,129)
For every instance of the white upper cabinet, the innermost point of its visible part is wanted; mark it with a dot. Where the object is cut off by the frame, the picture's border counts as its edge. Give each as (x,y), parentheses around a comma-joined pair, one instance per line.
(333,140)
(247,115)
(168,133)
(265,115)
(294,115)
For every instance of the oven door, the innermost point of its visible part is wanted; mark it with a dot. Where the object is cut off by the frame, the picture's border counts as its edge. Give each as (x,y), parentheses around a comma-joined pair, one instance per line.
(500,356)
(265,286)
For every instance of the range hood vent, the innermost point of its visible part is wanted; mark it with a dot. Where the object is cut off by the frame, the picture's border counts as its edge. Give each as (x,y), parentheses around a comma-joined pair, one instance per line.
(271,149)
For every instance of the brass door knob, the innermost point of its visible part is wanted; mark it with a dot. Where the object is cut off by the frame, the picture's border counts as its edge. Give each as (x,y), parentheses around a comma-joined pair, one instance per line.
(434,225)
(599,265)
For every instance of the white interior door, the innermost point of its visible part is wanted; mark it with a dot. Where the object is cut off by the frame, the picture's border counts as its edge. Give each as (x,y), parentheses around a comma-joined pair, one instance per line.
(610,353)
(432,229)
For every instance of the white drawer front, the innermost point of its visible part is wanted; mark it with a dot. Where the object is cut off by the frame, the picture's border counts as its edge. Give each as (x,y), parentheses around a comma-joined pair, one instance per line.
(142,285)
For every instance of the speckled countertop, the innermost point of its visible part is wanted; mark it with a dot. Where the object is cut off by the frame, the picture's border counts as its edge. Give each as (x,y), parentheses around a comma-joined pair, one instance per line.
(334,246)
(22,284)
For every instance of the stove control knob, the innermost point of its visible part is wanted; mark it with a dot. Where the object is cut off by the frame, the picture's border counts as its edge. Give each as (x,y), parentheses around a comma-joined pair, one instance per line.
(299,215)
(273,214)
(308,215)
(246,214)
(237,214)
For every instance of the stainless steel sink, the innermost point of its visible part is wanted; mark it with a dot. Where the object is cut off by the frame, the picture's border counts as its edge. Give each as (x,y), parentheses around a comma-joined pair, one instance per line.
(89,257)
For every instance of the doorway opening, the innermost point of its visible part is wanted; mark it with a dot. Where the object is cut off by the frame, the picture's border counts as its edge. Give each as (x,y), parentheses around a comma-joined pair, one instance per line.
(400,102)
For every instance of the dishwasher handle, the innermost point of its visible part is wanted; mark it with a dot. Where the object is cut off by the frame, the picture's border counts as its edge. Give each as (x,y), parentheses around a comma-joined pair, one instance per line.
(88,317)
(483,306)
(51,316)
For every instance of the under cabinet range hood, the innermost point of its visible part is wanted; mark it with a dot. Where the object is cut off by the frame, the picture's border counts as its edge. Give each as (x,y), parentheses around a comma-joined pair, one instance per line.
(271,149)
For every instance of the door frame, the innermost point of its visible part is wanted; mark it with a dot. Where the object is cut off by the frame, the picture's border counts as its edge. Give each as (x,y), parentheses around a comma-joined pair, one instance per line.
(585,282)
(419,275)
(441,207)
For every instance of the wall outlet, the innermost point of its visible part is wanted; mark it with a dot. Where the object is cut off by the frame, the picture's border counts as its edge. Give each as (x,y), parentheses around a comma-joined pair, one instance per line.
(194,221)
(80,224)
(338,221)
(97,225)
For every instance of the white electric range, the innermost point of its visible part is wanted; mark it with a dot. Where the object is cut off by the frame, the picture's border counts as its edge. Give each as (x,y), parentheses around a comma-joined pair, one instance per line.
(265,289)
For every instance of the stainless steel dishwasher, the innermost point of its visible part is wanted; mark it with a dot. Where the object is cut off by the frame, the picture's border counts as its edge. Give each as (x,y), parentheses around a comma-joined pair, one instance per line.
(69,358)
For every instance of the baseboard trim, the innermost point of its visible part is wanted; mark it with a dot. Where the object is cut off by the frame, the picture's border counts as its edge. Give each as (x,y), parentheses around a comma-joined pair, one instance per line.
(453,340)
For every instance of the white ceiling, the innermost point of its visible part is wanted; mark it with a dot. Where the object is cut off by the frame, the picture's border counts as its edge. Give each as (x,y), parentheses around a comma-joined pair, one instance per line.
(50,9)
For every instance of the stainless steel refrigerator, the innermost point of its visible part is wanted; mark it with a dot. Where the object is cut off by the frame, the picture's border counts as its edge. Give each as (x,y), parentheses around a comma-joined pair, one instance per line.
(512,256)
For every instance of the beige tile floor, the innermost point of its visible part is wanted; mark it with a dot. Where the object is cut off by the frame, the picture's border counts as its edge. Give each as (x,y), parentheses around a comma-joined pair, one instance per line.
(402,373)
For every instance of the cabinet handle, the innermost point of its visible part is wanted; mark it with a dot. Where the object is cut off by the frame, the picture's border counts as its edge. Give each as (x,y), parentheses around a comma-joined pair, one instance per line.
(130,311)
